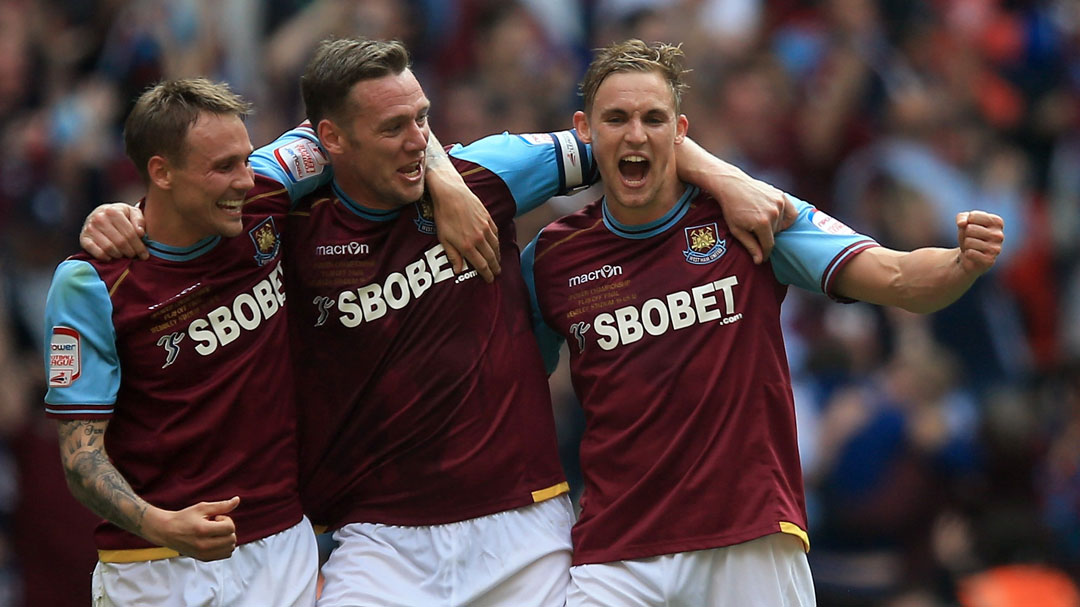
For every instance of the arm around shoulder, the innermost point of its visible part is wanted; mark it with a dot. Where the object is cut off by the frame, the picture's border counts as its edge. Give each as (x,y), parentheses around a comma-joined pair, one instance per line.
(465,227)
(928,279)
(114,230)
(754,210)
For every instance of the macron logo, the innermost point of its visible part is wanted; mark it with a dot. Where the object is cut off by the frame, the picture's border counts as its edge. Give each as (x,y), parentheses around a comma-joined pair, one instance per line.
(607,271)
(352,248)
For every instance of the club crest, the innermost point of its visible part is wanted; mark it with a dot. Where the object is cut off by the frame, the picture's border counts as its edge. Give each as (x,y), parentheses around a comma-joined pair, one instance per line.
(425,216)
(703,244)
(266,239)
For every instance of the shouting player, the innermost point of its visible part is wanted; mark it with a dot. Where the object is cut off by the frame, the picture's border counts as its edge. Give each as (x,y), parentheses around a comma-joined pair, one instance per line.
(693,488)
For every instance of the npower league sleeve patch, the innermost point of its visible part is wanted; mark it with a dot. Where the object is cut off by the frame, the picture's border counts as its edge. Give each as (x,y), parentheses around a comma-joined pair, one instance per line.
(302,159)
(537,138)
(827,224)
(65,359)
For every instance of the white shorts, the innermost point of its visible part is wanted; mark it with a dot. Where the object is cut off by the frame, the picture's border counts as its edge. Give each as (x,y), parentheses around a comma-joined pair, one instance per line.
(519,557)
(771,571)
(279,570)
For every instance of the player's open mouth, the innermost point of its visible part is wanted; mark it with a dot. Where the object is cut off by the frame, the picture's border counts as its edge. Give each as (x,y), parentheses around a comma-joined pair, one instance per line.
(411,171)
(230,206)
(634,169)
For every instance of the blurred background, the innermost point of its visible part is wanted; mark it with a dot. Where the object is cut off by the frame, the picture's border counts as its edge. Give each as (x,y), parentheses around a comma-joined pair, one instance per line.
(941,453)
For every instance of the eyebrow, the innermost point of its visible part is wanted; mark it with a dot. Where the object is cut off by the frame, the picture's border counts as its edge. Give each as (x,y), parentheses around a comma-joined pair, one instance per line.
(398,118)
(229,159)
(617,111)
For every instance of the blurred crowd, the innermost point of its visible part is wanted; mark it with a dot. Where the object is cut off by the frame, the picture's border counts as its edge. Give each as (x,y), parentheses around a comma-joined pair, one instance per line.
(941,452)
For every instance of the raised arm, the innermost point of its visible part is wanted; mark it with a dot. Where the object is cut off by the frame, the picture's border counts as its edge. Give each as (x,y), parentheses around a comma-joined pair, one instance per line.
(753,209)
(928,279)
(203,531)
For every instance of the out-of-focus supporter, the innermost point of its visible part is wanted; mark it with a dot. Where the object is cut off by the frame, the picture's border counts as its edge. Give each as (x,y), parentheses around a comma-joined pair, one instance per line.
(937,449)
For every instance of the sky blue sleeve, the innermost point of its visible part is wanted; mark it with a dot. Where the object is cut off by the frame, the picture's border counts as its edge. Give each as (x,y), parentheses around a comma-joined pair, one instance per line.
(809,253)
(296,160)
(80,342)
(534,166)
(548,339)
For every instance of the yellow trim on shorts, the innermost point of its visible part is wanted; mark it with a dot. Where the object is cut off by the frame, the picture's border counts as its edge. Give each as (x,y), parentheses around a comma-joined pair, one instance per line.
(550,492)
(136,555)
(793,529)
(320,529)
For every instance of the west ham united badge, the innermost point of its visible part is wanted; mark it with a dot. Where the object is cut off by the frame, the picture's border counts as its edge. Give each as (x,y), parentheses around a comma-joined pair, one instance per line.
(266,239)
(425,216)
(703,244)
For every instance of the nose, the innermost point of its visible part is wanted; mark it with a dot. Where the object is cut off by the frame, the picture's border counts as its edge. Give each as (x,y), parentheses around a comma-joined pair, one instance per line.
(635,131)
(245,179)
(418,137)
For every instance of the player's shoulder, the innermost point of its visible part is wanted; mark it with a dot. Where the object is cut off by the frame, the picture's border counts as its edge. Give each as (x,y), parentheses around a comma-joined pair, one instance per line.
(483,181)
(268,196)
(586,216)
(706,202)
(570,227)
(700,196)
(322,199)
(293,157)
(266,186)
(467,167)
(704,207)
(81,282)
(581,219)
(82,268)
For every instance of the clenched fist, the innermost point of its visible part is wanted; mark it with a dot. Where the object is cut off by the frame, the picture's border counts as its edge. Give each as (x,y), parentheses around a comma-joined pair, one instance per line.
(979,235)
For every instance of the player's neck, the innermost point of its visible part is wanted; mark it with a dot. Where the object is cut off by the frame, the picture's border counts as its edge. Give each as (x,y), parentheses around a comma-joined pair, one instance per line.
(363,195)
(163,224)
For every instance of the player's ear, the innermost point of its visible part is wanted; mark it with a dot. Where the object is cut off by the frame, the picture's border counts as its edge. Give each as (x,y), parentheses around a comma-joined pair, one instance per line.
(581,123)
(682,124)
(330,136)
(160,172)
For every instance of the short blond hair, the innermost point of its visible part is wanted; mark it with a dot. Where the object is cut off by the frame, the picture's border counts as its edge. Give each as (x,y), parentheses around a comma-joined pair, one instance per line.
(159,122)
(636,56)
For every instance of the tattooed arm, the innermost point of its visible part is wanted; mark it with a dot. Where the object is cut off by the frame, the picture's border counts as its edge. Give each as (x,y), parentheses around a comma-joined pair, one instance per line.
(204,531)
(464,226)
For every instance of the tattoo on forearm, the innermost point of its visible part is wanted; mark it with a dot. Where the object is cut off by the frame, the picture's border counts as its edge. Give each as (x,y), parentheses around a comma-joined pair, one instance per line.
(436,155)
(93,479)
